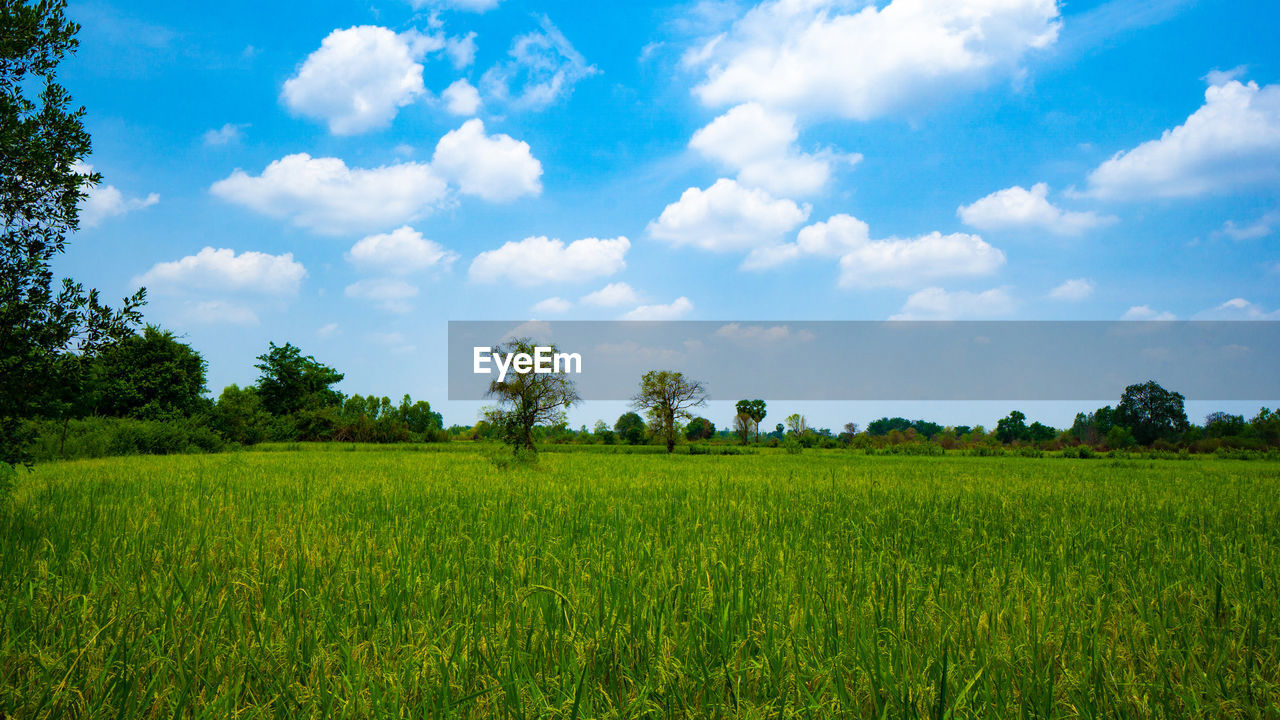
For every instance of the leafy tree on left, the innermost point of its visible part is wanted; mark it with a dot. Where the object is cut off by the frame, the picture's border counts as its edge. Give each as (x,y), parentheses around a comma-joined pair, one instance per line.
(48,333)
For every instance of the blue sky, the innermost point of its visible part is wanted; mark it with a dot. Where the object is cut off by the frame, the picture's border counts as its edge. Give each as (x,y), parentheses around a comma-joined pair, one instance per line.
(350,176)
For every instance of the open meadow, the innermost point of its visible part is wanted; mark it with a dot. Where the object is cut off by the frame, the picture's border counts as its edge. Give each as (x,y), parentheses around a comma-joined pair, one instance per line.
(426,581)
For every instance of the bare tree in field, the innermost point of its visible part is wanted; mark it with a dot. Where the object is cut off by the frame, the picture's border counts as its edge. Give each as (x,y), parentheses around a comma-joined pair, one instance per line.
(666,396)
(529,399)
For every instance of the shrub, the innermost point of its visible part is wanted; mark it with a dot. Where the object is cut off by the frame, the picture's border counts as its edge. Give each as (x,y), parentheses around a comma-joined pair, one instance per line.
(102,437)
(792,446)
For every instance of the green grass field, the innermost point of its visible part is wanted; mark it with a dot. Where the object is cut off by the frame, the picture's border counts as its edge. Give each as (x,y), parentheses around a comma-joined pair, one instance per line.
(403,583)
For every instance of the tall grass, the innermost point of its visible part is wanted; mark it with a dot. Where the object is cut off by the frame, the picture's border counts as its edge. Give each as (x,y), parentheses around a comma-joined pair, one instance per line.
(417,584)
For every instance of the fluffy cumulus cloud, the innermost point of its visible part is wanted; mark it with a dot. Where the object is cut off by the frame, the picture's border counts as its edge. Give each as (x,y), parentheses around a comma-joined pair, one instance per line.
(497,168)
(107,201)
(360,78)
(461,98)
(1237,309)
(1073,290)
(1146,312)
(1231,142)
(400,252)
(223,270)
(541,67)
(552,306)
(324,195)
(759,144)
(390,294)
(727,217)
(860,61)
(1017,208)
(673,310)
(612,295)
(899,262)
(540,260)
(938,304)
(892,262)
(461,50)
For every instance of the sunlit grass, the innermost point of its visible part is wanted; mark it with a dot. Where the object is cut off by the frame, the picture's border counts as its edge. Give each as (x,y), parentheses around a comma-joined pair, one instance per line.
(416,584)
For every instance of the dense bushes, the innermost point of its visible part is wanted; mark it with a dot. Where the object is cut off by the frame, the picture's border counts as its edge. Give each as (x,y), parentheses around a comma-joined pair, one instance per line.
(101,437)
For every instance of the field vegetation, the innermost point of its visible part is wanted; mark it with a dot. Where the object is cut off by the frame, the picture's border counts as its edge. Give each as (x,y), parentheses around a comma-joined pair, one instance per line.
(419,581)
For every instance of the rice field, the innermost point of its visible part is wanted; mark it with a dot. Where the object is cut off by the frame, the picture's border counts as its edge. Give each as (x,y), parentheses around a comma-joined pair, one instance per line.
(399,583)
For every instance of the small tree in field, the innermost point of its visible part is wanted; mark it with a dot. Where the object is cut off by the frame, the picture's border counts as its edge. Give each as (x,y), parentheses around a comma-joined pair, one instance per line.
(630,428)
(529,399)
(797,424)
(667,396)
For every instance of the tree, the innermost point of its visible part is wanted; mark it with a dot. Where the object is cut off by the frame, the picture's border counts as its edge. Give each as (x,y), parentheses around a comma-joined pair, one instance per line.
(754,409)
(526,399)
(291,381)
(150,376)
(47,335)
(239,417)
(797,424)
(630,428)
(667,396)
(699,428)
(1151,412)
(1012,428)
(743,425)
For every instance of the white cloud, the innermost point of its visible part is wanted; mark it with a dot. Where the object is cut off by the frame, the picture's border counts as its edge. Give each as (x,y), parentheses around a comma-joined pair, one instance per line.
(217,312)
(859,61)
(542,67)
(840,234)
(227,134)
(1231,142)
(360,78)
(390,294)
(1237,309)
(552,306)
(461,98)
(1260,228)
(1073,290)
(1019,208)
(539,260)
(675,310)
(898,262)
(106,201)
(893,262)
(327,330)
(222,269)
(727,217)
(461,50)
(400,252)
(324,195)
(612,295)
(1145,312)
(495,167)
(759,144)
(938,304)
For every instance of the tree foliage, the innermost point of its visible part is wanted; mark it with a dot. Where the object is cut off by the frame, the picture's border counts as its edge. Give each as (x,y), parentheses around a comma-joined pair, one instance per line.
(667,396)
(529,399)
(1151,412)
(630,428)
(151,376)
(290,381)
(47,334)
